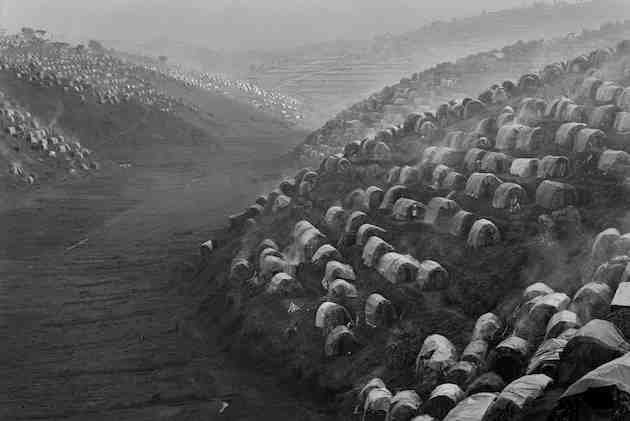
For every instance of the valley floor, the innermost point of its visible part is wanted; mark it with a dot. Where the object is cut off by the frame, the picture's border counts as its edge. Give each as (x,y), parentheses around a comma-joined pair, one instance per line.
(95,294)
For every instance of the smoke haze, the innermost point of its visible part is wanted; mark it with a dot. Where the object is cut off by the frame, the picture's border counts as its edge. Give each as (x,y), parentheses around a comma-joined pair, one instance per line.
(235,24)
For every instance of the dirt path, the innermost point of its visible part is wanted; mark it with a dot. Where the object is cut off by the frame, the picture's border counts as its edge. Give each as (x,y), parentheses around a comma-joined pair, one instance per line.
(93,292)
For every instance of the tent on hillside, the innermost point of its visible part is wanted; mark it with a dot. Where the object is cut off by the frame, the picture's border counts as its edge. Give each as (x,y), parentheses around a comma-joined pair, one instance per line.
(547,357)
(356,200)
(518,397)
(440,211)
(408,210)
(482,185)
(595,343)
(337,270)
(379,311)
(432,276)
(496,162)
(436,356)
(592,301)
(377,404)
(473,408)
(366,231)
(601,394)
(373,250)
(509,196)
(325,254)
(340,341)
(461,223)
(374,197)
(284,284)
(404,406)
(553,195)
(483,233)
(391,196)
(334,221)
(398,268)
(562,321)
(603,117)
(330,315)
(442,400)
(566,135)
(509,358)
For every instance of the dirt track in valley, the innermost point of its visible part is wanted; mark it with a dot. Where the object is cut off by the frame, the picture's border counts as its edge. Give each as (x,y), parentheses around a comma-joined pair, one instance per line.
(94,292)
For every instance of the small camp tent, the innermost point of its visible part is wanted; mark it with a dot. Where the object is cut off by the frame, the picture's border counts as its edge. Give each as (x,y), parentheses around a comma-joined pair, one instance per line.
(496,162)
(398,268)
(340,341)
(509,358)
(473,408)
(483,233)
(508,196)
(337,270)
(461,223)
(592,301)
(547,357)
(408,210)
(443,399)
(330,315)
(482,185)
(553,195)
(513,402)
(524,167)
(476,352)
(594,344)
(404,406)
(391,196)
(284,284)
(440,211)
(432,276)
(487,328)
(535,290)
(614,162)
(379,311)
(377,404)
(436,356)
(366,231)
(356,200)
(325,254)
(374,197)
(603,117)
(562,321)
(373,250)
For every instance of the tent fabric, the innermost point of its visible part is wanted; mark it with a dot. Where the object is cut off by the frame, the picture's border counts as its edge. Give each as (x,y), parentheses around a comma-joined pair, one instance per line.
(392,195)
(608,92)
(330,315)
(379,311)
(508,195)
(596,343)
(398,268)
(432,276)
(374,383)
(611,272)
(507,136)
(404,405)
(547,357)
(436,356)
(454,181)
(265,244)
(614,373)
(356,200)
(438,176)
(440,211)
(589,140)
(603,117)
(407,210)
(393,175)
(622,122)
(342,289)
(408,175)
(488,382)
(462,373)
(513,401)
(377,402)
(603,246)
(483,233)
(524,167)
(461,223)
(374,196)
(561,321)
(368,230)
(340,341)
(589,87)
(271,264)
(482,185)
(535,290)
(496,162)
(325,254)
(553,166)
(472,160)
(206,249)
(337,270)
(476,352)
(443,399)
(473,408)
(553,195)
(567,133)
(622,295)
(374,249)
(241,270)
(284,284)
(455,139)
(508,359)
(614,162)
(487,328)
(592,301)
(307,243)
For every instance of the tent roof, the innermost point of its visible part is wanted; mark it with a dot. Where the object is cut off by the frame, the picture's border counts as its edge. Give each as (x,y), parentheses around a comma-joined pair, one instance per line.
(472,408)
(622,296)
(614,373)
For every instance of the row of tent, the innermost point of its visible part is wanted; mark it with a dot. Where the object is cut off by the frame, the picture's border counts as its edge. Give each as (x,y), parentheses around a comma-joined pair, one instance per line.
(80,70)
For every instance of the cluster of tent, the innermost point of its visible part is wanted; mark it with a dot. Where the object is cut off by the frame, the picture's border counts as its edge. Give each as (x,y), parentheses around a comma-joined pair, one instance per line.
(22,130)
(394,102)
(94,74)
(555,359)
(261,98)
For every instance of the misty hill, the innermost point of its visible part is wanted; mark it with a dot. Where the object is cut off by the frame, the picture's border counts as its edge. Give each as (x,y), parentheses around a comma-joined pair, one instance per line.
(469,262)
(439,84)
(122,112)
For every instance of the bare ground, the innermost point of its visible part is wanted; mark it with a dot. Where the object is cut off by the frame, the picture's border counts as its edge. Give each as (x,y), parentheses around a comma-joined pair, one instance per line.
(95,297)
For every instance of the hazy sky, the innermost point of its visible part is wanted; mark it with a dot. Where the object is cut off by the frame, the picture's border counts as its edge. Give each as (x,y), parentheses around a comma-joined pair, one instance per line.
(235,24)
